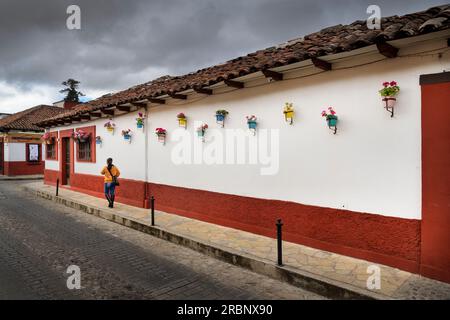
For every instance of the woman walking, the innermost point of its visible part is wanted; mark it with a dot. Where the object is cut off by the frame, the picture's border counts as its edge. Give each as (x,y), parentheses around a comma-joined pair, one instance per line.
(111,174)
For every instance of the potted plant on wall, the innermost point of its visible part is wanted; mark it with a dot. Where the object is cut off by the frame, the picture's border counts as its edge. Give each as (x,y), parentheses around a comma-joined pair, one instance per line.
(289,113)
(140,120)
(110,126)
(47,138)
(202,130)
(127,135)
(182,120)
(331,119)
(98,140)
(161,133)
(220,117)
(389,91)
(251,122)
(81,136)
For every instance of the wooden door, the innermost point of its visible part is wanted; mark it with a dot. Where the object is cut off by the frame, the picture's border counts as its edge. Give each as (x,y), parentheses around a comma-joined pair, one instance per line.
(435,246)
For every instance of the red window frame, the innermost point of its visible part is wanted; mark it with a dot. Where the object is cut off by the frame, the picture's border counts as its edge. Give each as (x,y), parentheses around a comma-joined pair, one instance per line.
(27,146)
(92,131)
(53,135)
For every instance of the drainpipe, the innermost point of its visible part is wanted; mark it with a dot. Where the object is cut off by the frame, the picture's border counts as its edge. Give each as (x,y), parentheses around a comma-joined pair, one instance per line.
(146,201)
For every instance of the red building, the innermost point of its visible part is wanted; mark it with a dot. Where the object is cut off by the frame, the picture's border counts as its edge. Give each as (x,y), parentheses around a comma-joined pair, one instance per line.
(20,141)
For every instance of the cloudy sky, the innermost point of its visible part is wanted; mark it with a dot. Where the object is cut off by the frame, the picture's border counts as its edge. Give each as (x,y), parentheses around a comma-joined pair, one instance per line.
(126,42)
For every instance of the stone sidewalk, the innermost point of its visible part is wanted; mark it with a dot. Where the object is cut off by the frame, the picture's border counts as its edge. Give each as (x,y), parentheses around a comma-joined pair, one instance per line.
(326,273)
(25,177)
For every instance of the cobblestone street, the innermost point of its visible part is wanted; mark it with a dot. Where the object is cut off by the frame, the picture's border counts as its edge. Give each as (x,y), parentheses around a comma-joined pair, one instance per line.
(40,239)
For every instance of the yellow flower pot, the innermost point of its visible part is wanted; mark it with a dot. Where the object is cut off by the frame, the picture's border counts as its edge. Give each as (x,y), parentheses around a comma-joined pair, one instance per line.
(289,114)
(182,122)
(110,129)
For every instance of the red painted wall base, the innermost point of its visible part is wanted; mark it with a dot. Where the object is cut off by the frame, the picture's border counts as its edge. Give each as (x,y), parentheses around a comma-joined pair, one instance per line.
(386,240)
(22,168)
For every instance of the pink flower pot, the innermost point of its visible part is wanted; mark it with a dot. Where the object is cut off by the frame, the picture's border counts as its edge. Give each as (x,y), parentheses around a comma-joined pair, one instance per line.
(389,102)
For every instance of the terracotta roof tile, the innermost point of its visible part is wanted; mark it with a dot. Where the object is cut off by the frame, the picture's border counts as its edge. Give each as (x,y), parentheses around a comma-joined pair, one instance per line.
(331,40)
(25,120)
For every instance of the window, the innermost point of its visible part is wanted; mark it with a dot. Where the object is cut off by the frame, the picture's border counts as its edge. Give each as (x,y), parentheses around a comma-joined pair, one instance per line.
(50,151)
(84,150)
(33,152)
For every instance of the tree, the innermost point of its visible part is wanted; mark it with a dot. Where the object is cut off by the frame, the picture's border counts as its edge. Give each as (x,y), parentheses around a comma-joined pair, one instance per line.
(72,93)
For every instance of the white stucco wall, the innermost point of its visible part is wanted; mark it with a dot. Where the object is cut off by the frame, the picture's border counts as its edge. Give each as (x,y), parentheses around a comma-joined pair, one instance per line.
(15,152)
(372,165)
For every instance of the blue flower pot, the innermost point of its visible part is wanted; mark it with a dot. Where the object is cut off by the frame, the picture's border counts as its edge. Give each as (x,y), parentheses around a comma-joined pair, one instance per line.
(98,142)
(251,124)
(332,122)
(220,117)
(127,137)
(140,125)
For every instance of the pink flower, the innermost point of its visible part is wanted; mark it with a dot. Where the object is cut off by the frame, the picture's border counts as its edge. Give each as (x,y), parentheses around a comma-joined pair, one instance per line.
(324,113)
(332,112)
(385,84)
(393,83)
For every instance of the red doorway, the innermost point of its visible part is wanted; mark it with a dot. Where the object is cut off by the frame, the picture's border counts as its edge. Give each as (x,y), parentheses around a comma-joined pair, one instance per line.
(67,151)
(435,247)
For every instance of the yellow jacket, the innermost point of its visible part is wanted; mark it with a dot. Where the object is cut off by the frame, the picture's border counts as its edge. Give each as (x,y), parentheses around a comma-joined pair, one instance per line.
(108,177)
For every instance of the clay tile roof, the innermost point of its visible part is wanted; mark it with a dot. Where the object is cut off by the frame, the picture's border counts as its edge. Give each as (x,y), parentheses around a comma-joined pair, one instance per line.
(331,40)
(25,120)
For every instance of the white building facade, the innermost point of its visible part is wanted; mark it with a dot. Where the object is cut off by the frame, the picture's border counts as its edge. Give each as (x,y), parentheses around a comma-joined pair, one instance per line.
(358,192)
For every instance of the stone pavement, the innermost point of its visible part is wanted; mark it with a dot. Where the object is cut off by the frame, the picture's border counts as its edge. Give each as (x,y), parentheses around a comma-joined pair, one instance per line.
(323,272)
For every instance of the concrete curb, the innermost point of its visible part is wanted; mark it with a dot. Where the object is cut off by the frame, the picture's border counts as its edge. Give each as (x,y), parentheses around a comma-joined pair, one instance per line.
(21,178)
(312,282)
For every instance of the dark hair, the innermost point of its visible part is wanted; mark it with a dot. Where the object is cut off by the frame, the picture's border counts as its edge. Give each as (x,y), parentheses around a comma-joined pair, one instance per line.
(109,162)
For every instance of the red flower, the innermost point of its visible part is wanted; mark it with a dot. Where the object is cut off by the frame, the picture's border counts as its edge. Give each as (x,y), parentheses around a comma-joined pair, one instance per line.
(324,113)
(393,83)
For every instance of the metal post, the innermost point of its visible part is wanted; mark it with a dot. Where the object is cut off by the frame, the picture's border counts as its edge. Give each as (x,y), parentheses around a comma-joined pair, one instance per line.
(57,187)
(279,224)
(152,204)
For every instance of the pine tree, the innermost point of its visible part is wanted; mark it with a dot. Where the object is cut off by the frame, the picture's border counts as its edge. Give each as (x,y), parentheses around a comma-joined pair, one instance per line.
(72,93)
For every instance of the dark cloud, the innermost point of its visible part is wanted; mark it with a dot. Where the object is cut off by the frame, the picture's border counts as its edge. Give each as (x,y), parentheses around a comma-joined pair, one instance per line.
(123,43)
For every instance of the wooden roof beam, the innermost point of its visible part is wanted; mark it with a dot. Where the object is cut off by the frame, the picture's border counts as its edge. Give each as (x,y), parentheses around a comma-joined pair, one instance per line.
(178,96)
(95,114)
(321,64)
(204,91)
(85,117)
(124,108)
(158,101)
(139,105)
(234,84)
(276,76)
(109,112)
(387,50)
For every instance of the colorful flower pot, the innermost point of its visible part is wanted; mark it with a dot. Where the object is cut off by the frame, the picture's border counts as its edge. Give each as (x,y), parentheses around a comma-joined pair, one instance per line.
(182,122)
(289,114)
(98,141)
(201,133)
(332,122)
(110,129)
(161,137)
(390,102)
(251,124)
(220,117)
(127,137)
(140,125)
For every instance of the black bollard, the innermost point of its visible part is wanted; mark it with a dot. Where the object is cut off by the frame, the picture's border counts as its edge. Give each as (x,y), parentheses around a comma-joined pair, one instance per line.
(57,187)
(279,224)
(152,202)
